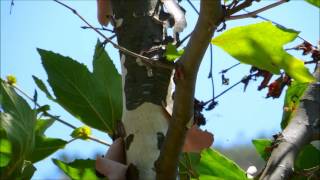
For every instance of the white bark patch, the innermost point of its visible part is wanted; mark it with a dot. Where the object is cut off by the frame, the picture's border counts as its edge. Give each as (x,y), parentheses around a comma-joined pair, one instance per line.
(174,10)
(144,123)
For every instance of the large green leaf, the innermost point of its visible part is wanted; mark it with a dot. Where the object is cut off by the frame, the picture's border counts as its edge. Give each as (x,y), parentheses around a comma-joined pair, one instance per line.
(18,122)
(291,101)
(215,165)
(314,2)
(261,45)
(261,145)
(78,169)
(95,98)
(44,146)
(308,157)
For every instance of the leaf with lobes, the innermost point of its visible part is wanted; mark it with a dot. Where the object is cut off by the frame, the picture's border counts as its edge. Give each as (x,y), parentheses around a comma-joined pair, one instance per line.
(261,45)
(95,98)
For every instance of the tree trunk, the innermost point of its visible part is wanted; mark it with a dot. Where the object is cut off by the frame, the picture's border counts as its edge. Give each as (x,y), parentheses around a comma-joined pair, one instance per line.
(145,88)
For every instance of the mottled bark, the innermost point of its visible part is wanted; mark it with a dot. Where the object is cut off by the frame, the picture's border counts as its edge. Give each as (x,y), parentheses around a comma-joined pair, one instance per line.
(145,88)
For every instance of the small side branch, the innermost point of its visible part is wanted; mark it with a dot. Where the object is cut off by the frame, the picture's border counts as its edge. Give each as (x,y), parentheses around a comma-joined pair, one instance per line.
(254,13)
(211,15)
(300,131)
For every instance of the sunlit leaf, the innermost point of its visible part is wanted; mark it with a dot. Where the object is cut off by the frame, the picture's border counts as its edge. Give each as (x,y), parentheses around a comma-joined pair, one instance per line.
(214,165)
(78,169)
(261,145)
(291,101)
(95,98)
(261,45)
(172,53)
(314,2)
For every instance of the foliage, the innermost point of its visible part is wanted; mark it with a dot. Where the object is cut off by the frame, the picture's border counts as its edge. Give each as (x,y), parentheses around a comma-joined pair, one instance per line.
(261,45)
(95,98)
(172,53)
(261,146)
(78,169)
(22,136)
(81,132)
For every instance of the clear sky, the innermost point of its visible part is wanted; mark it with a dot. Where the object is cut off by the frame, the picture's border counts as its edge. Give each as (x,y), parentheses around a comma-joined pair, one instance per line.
(237,119)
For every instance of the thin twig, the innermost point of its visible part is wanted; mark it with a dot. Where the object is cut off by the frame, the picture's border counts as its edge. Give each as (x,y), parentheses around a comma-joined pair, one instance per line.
(101,29)
(144,59)
(11,6)
(56,117)
(238,8)
(226,70)
(254,13)
(193,7)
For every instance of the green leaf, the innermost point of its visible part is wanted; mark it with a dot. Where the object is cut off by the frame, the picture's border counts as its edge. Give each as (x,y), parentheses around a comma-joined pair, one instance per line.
(188,164)
(5,152)
(95,98)
(81,133)
(261,45)
(78,169)
(291,101)
(43,87)
(314,2)
(44,146)
(172,53)
(18,121)
(261,145)
(308,157)
(215,165)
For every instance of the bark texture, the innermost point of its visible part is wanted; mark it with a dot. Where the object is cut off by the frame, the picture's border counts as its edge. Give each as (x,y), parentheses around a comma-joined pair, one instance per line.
(299,132)
(145,88)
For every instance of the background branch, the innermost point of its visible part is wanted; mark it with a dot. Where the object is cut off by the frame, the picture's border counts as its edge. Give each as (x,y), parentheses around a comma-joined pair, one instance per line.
(299,132)
(254,13)
(211,15)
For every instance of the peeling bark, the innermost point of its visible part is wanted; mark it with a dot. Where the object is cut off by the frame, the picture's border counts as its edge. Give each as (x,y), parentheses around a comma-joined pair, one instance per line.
(299,132)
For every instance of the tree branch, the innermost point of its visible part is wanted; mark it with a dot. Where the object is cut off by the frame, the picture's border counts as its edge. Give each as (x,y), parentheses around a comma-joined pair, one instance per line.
(211,15)
(254,13)
(300,131)
(238,8)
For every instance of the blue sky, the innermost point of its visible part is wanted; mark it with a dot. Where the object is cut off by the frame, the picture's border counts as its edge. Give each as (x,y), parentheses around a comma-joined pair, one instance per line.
(237,119)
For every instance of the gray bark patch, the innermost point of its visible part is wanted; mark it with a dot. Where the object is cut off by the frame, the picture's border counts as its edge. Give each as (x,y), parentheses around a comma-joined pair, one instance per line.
(160,137)
(128,141)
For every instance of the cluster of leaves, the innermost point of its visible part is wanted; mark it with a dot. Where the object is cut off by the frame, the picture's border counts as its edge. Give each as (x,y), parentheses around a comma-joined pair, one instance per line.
(94,98)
